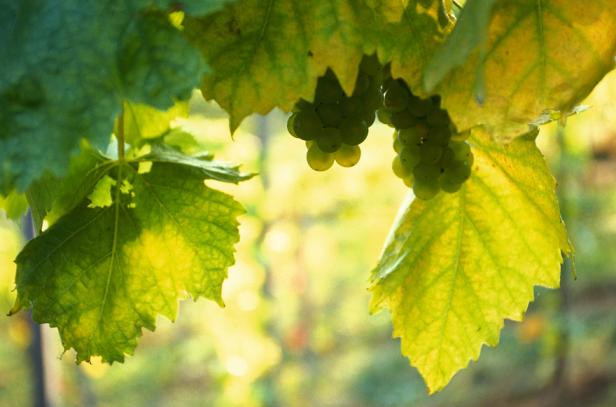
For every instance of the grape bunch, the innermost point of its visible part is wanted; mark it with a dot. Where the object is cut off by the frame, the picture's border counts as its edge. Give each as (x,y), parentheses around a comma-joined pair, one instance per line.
(334,125)
(431,154)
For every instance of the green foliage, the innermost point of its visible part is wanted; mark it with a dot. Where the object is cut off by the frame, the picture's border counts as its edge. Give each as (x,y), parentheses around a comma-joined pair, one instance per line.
(130,234)
(102,274)
(456,266)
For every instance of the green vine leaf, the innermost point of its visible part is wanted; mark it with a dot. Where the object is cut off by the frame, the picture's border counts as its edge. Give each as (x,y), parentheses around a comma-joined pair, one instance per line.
(102,274)
(269,54)
(456,266)
(526,64)
(68,65)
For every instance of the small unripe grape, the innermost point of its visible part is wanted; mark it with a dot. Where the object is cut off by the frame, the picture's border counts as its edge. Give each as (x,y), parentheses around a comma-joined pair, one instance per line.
(290,122)
(440,135)
(424,189)
(457,172)
(403,119)
(449,185)
(462,150)
(384,116)
(354,131)
(438,118)
(418,107)
(396,98)
(430,152)
(410,155)
(348,156)
(329,140)
(413,135)
(460,137)
(330,114)
(399,169)
(397,144)
(307,125)
(319,160)
(351,106)
(367,115)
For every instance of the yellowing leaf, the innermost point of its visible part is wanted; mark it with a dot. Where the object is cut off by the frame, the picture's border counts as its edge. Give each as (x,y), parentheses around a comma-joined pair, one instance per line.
(539,55)
(269,54)
(102,274)
(143,121)
(456,266)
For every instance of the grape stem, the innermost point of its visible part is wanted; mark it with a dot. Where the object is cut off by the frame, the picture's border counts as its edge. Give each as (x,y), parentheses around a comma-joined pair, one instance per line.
(120,136)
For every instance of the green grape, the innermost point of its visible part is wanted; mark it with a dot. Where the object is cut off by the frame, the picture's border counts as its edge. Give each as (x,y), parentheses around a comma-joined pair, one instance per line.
(413,135)
(307,124)
(319,160)
(460,137)
(373,98)
(408,181)
(440,135)
(449,184)
(290,122)
(361,84)
(457,172)
(448,157)
(328,89)
(330,114)
(354,131)
(418,107)
(368,115)
(426,172)
(399,169)
(462,150)
(403,119)
(370,65)
(384,116)
(430,152)
(329,140)
(410,156)
(302,104)
(397,144)
(438,118)
(348,156)
(425,190)
(396,98)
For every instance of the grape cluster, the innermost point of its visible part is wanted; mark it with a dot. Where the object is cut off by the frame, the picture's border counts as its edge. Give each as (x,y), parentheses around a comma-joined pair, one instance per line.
(335,124)
(431,155)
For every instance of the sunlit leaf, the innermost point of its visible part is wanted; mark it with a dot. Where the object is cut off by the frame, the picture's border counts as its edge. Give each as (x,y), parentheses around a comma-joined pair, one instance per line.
(456,266)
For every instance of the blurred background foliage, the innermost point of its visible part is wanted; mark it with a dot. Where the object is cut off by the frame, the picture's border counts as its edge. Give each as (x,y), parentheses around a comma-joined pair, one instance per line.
(296,330)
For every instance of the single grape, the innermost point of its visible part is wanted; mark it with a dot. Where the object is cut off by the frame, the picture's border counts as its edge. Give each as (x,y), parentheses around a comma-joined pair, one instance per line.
(419,107)
(396,98)
(397,144)
(302,104)
(307,124)
(368,115)
(413,135)
(408,181)
(354,131)
(425,190)
(330,114)
(403,119)
(290,122)
(440,135)
(384,116)
(462,150)
(438,118)
(373,98)
(460,137)
(430,152)
(449,184)
(410,156)
(319,160)
(447,158)
(329,140)
(399,169)
(348,156)
(456,172)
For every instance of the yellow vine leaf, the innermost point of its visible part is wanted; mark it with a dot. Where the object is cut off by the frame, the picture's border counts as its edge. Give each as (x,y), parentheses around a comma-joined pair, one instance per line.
(456,266)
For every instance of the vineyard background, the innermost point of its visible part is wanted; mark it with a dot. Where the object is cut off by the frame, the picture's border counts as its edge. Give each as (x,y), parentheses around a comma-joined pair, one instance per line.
(295,330)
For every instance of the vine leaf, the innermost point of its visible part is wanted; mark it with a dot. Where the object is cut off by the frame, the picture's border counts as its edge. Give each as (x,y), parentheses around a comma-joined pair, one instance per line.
(538,55)
(145,122)
(270,54)
(456,266)
(101,274)
(68,65)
